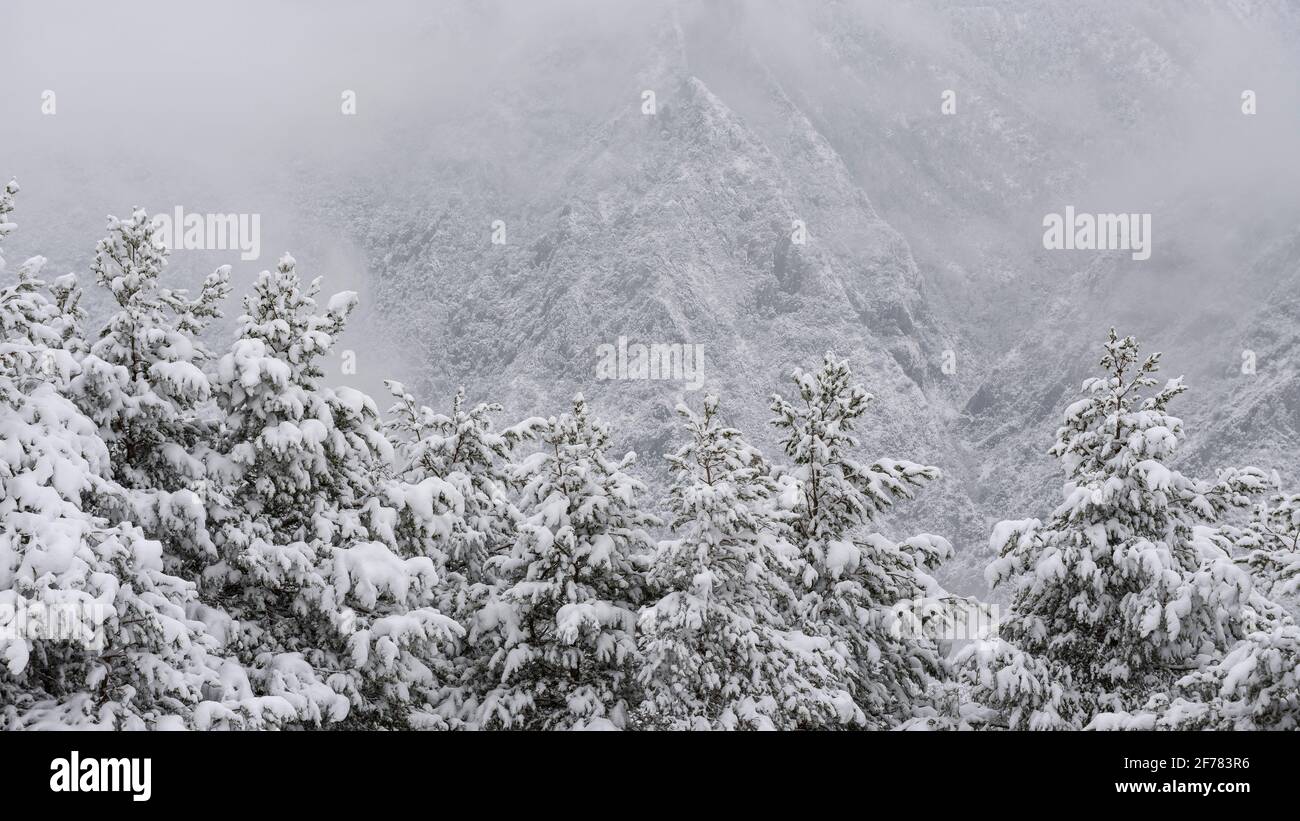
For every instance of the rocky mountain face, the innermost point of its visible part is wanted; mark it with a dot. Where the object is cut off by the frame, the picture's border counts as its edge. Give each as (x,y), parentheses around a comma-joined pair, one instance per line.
(923,229)
(514,205)
(677,227)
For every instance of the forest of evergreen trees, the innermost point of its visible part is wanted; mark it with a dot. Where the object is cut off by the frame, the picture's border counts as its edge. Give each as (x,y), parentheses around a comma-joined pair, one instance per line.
(266,551)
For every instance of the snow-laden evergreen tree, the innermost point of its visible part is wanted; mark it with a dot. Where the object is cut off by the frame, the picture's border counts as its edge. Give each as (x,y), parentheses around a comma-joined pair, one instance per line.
(1271,543)
(1126,587)
(302,453)
(143,383)
(7,195)
(852,579)
(466,450)
(327,607)
(452,496)
(93,630)
(144,374)
(717,651)
(1255,685)
(564,623)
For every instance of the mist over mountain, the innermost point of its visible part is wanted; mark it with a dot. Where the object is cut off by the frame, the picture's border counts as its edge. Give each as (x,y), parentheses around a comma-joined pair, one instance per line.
(923,229)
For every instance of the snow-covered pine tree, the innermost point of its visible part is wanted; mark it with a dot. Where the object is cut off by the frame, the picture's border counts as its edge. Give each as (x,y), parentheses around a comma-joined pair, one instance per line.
(95,632)
(301,453)
(1256,684)
(145,375)
(1271,544)
(466,450)
(328,609)
(451,497)
(144,385)
(851,578)
(1124,589)
(564,622)
(717,651)
(7,195)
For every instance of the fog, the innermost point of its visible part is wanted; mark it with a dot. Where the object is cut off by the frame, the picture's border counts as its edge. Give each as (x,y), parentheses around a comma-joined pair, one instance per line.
(158,103)
(752,363)
(236,108)
(1107,106)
